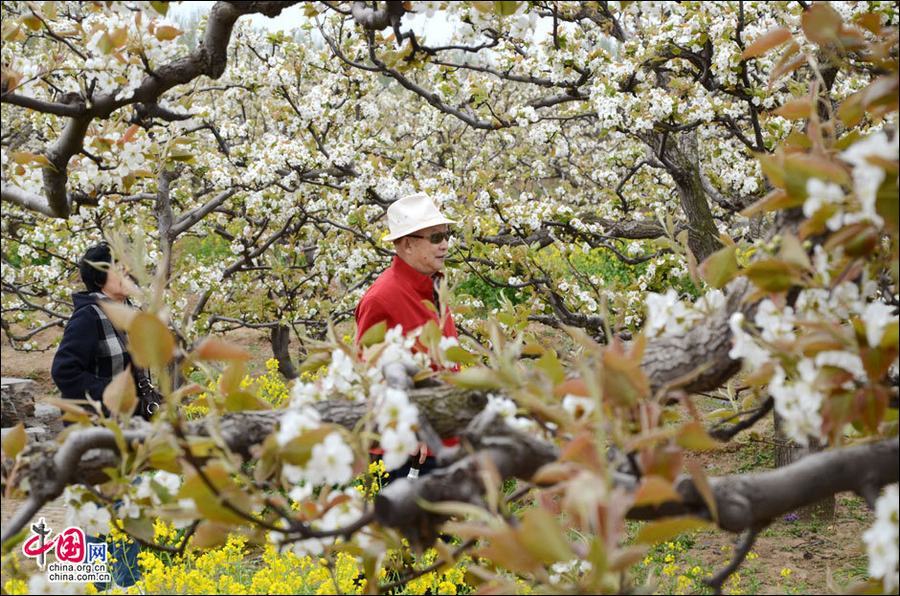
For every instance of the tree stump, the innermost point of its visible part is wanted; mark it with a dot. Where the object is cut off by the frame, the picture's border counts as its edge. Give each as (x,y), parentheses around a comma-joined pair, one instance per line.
(786,453)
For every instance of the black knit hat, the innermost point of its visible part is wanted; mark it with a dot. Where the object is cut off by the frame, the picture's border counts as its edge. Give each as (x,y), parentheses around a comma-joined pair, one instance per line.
(93,277)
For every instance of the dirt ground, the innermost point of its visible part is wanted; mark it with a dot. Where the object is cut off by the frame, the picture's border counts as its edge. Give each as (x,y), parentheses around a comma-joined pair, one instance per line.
(811,551)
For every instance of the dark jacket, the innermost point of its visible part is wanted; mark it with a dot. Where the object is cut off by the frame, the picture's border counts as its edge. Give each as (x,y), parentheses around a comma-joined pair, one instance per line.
(87,359)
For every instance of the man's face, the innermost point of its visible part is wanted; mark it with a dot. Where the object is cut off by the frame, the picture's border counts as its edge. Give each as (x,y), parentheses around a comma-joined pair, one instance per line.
(421,254)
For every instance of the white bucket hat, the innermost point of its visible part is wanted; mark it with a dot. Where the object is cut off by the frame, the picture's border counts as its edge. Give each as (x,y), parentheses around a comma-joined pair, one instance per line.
(412,213)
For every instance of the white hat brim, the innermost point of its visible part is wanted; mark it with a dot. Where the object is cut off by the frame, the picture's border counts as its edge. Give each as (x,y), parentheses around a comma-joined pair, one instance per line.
(420,225)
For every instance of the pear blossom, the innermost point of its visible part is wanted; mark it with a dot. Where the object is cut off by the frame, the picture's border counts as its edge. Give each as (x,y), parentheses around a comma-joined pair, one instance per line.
(882,539)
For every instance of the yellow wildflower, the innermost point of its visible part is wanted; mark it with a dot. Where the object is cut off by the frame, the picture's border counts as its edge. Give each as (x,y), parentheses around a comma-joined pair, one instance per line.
(15,586)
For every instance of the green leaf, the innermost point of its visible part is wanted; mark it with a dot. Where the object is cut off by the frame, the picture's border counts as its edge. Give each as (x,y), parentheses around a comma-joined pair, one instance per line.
(32,22)
(142,527)
(773,275)
(550,364)
(773,167)
(105,43)
(15,441)
(160,7)
(852,109)
(239,401)
(119,37)
(505,549)
(504,8)
(120,396)
(719,268)
(315,361)
(181,155)
(299,449)
(213,348)
(458,509)
(795,109)
(211,504)
(792,251)
(459,355)
(821,23)
(807,165)
(475,378)
(765,42)
(374,334)
(167,33)
(234,373)
(693,436)
(655,490)
(210,534)
(660,531)
(887,203)
(163,455)
(624,381)
(430,336)
(151,344)
(542,535)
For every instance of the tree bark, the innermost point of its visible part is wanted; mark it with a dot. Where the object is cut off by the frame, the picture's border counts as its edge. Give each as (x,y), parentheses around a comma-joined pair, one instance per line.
(698,360)
(683,164)
(281,344)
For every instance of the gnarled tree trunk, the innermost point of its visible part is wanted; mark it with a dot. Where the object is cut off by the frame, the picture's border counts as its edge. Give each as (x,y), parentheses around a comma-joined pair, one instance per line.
(281,343)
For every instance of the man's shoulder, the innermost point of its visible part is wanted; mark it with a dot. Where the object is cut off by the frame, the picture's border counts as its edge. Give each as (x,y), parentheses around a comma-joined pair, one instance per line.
(384,284)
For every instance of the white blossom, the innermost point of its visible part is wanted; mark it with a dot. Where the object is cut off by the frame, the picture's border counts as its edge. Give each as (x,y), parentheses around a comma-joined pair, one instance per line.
(877,316)
(398,444)
(798,402)
(867,177)
(745,346)
(294,423)
(90,517)
(331,461)
(882,539)
(578,406)
(848,361)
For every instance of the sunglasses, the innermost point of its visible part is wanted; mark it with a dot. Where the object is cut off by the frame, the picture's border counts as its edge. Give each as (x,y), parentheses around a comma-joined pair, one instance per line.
(435,238)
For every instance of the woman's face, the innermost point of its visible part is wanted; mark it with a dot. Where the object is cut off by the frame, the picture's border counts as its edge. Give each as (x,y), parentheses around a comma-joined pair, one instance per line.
(117,286)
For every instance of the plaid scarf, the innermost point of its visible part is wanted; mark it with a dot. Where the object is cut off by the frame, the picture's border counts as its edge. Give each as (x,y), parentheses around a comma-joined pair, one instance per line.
(112,352)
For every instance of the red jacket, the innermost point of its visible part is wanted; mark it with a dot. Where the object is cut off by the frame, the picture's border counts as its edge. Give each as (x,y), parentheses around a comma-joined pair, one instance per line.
(397,297)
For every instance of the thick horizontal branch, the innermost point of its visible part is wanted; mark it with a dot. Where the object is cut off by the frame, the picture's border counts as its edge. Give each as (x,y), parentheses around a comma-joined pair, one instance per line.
(18,196)
(746,501)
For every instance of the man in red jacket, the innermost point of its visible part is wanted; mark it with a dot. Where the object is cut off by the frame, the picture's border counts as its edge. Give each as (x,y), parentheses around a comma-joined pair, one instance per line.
(402,293)
(421,238)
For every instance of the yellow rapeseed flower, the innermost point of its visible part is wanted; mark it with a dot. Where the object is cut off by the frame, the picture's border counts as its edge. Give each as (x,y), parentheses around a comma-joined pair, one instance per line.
(15,586)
